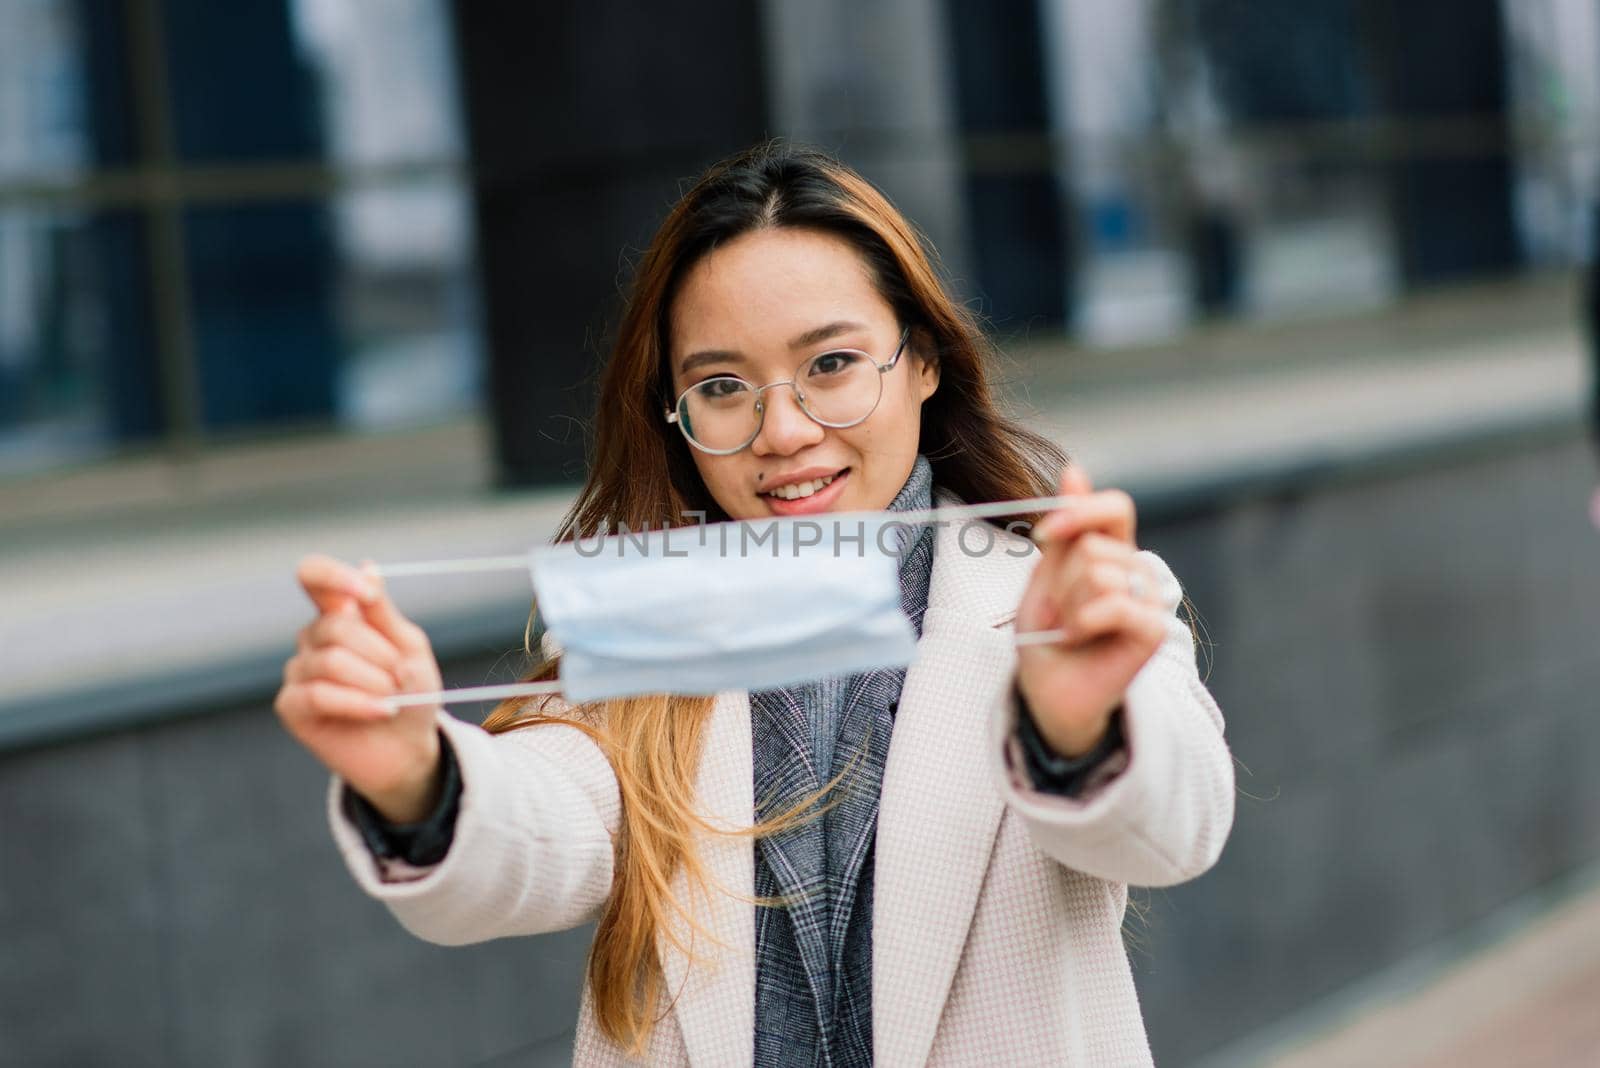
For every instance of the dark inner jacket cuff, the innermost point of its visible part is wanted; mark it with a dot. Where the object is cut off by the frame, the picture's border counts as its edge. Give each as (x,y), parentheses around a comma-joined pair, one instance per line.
(421,843)
(1053,773)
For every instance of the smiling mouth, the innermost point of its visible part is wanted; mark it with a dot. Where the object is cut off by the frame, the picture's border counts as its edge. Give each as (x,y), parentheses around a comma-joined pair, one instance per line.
(797,490)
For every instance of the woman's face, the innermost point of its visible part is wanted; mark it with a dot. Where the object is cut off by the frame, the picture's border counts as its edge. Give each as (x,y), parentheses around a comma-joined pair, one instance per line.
(759,307)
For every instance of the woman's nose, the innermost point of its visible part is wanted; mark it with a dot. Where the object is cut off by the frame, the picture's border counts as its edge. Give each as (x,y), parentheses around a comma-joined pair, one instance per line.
(785,427)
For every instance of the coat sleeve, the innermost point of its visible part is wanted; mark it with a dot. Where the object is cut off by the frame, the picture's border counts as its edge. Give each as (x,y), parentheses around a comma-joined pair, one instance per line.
(532,850)
(1163,816)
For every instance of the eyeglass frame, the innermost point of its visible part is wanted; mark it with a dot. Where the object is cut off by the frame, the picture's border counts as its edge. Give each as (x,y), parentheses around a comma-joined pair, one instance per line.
(761,408)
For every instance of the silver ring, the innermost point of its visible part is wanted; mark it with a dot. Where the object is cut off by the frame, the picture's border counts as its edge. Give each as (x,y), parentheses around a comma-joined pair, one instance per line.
(1138,585)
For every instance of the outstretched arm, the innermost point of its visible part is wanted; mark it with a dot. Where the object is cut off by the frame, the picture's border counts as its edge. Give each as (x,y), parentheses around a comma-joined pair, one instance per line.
(1160,808)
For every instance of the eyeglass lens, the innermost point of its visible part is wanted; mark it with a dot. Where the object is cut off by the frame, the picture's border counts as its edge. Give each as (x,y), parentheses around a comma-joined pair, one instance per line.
(836,388)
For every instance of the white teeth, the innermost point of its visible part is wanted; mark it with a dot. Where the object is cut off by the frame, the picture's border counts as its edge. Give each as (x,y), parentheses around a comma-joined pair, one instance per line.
(800,489)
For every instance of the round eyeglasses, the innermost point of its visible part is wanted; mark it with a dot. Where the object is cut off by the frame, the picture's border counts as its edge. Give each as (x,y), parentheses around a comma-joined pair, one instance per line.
(837,388)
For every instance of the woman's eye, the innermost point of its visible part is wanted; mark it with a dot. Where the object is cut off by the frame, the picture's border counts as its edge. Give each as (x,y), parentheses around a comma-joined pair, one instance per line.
(721,388)
(832,363)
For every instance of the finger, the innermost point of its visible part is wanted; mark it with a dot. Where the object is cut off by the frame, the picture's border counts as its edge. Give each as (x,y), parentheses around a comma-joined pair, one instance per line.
(1102,548)
(1063,569)
(385,616)
(1069,562)
(1043,580)
(1036,610)
(1061,588)
(1085,580)
(323,698)
(338,664)
(359,636)
(1075,481)
(1114,614)
(1109,512)
(331,583)
(418,676)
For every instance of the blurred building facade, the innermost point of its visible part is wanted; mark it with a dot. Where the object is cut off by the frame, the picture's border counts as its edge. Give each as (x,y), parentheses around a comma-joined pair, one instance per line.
(370,229)
(222,220)
(312,216)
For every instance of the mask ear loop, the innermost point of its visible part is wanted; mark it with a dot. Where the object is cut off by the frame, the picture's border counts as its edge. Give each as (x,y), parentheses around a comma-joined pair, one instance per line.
(473,693)
(465,565)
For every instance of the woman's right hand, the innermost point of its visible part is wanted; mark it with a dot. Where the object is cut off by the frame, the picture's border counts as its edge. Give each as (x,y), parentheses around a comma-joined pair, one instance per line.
(360,649)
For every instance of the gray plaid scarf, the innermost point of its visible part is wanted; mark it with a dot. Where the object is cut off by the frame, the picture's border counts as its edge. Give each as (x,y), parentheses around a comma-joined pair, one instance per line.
(814,956)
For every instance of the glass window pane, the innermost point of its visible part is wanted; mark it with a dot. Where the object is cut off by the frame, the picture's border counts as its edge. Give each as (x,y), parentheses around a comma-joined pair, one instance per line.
(359,313)
(77,364)
(43,105)
(261,305)
(1554,66)
(385,78)
(407,307)
(238,87)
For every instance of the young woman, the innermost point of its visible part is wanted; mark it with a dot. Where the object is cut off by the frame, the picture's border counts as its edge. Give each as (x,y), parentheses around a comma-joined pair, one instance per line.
(902,867)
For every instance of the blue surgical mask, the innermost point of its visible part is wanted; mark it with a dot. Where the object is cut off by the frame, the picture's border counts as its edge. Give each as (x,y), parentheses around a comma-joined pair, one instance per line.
(724,606)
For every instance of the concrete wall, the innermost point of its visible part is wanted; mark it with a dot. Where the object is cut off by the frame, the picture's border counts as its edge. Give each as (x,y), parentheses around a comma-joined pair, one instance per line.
(171,896)
(1408,667)
(1406,663)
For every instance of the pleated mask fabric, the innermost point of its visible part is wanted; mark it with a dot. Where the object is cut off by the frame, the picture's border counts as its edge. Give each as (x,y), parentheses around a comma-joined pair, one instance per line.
(723,606)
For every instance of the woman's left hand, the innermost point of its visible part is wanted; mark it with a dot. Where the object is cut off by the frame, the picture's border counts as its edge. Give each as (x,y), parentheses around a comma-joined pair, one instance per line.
(1092,583)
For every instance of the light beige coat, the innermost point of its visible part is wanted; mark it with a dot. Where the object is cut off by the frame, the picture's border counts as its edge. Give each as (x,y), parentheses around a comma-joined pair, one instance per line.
(997,922)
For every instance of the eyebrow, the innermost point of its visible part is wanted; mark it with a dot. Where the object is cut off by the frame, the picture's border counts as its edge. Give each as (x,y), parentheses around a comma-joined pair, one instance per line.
(813,336)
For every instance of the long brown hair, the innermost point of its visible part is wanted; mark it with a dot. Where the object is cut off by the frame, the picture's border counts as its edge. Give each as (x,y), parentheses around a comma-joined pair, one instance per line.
(642,474)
